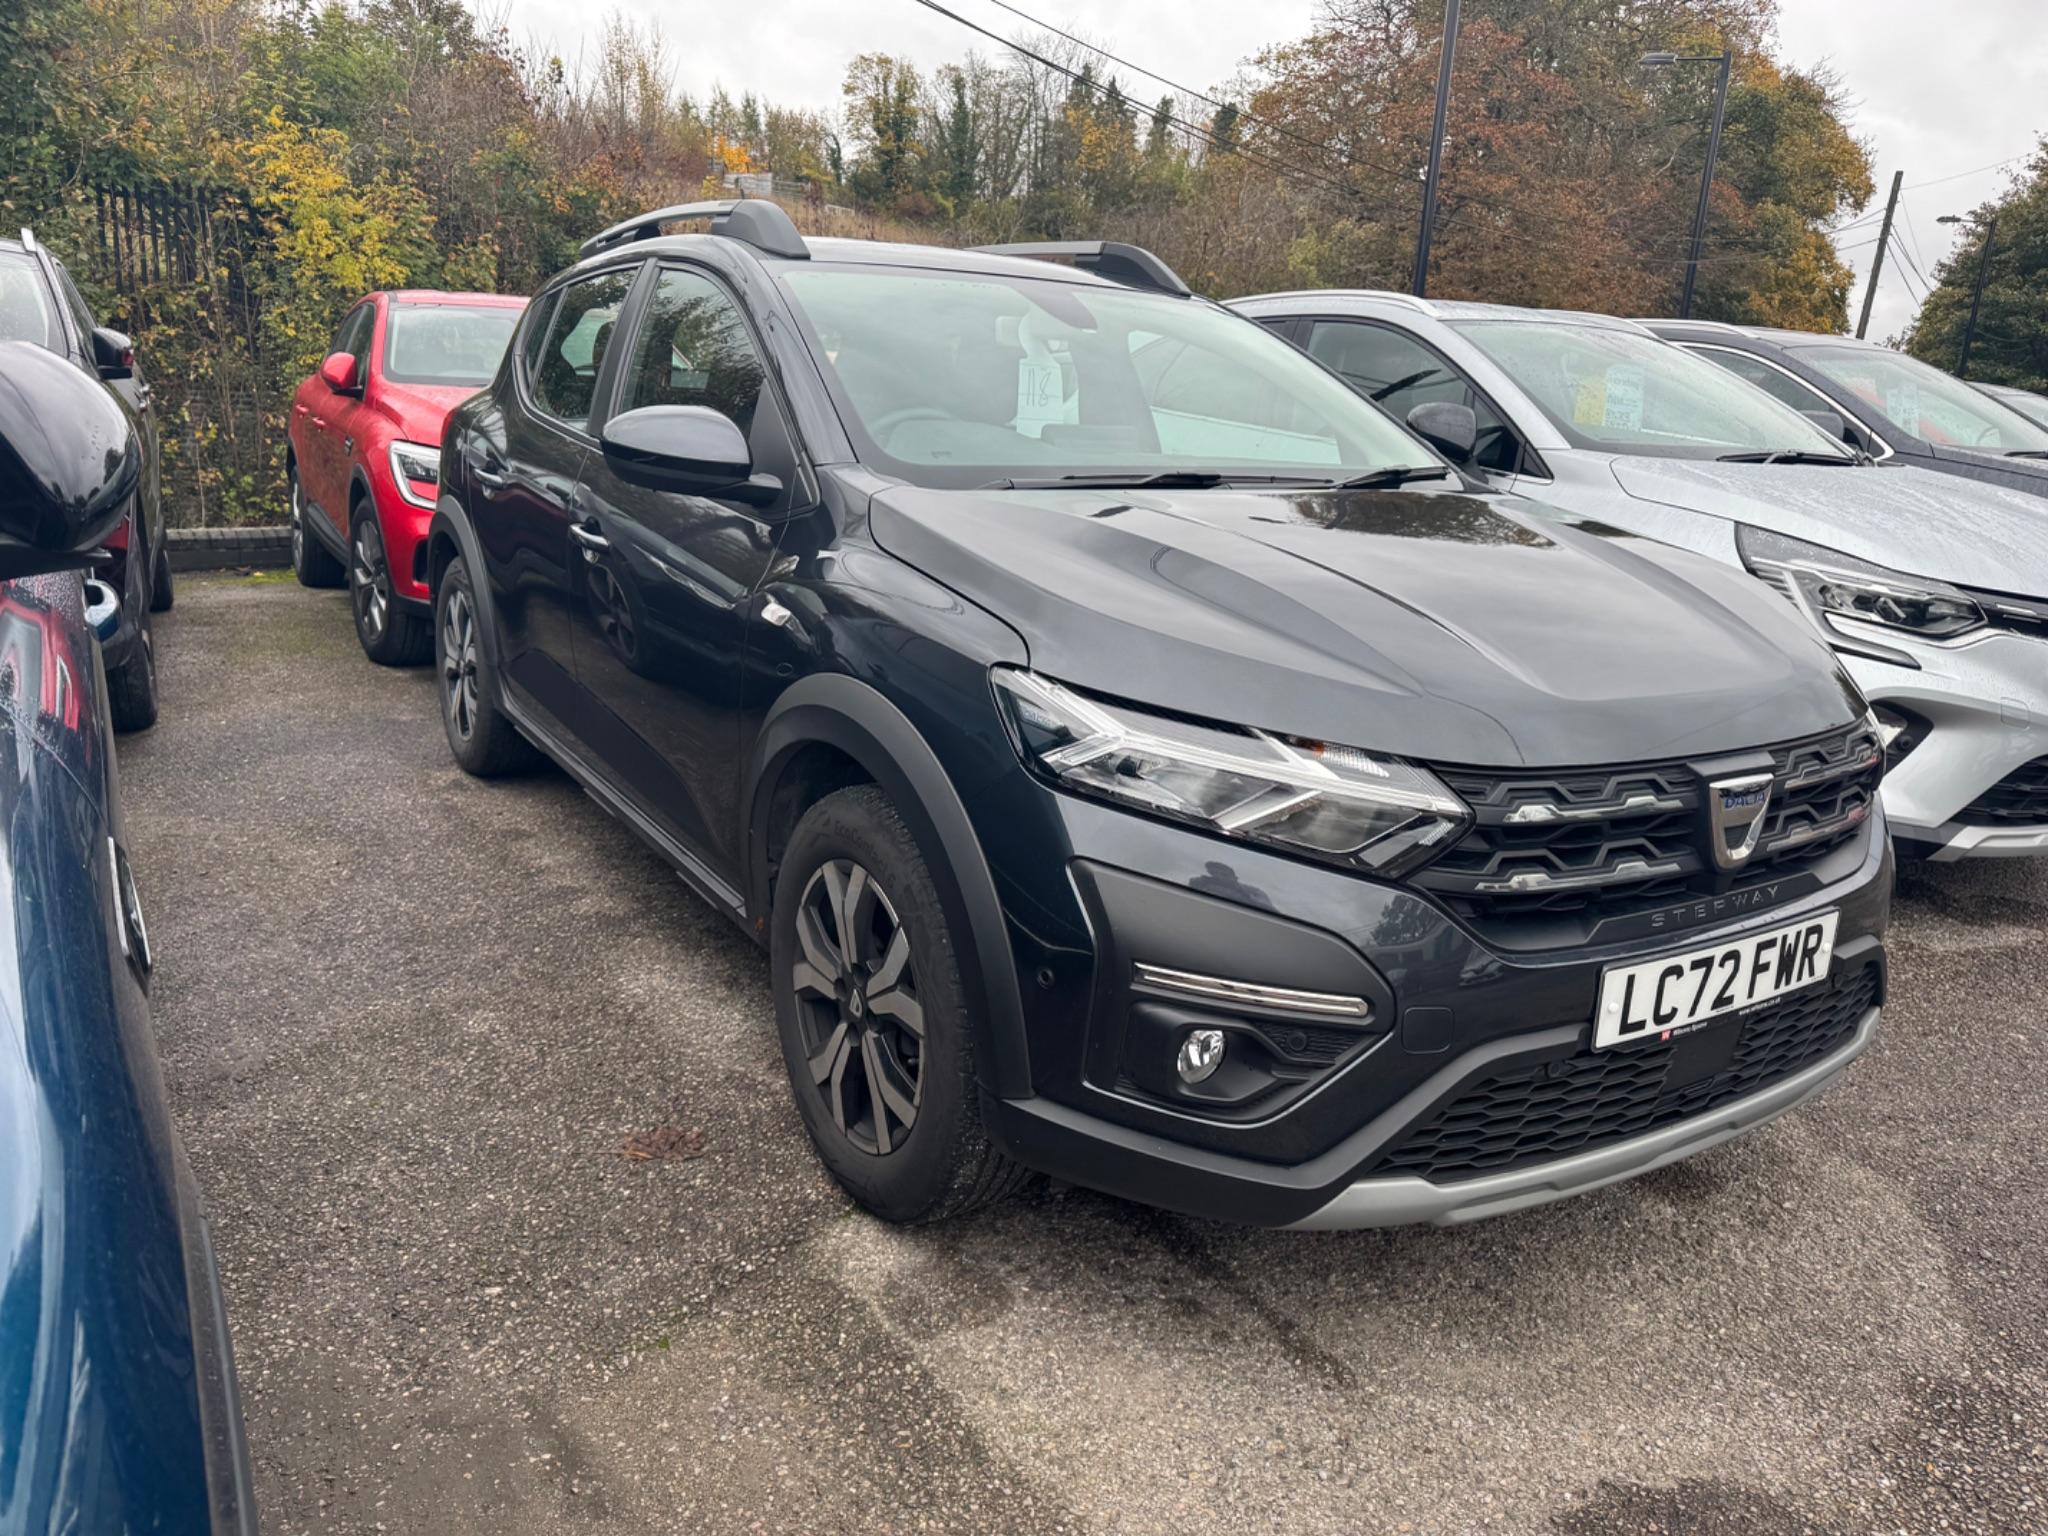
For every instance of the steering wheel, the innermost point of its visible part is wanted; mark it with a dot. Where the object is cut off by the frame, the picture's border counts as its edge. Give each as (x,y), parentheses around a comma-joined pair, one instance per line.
(885,425)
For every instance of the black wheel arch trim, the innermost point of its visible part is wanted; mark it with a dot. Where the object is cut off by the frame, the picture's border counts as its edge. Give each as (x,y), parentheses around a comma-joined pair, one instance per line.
(842,712)
(450,524)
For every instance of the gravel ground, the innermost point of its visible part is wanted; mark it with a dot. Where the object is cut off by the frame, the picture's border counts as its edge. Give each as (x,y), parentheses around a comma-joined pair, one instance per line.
(519,1230)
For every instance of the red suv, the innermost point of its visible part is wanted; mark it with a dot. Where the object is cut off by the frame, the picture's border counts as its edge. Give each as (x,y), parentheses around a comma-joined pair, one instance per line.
(364,462)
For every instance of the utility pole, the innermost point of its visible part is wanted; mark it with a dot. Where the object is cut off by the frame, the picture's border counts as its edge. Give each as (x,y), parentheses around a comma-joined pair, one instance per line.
(1884,240)
(1436,147)
(1977,297)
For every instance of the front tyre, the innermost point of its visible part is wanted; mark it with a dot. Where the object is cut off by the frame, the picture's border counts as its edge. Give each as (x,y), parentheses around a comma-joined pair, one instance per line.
(875,1025)
(482,738)
(391,635)
(162,593)
(131,687)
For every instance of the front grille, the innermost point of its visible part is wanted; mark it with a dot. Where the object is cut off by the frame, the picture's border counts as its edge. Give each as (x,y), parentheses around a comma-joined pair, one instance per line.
(1536,1114)
(1608,842)
(2020,797)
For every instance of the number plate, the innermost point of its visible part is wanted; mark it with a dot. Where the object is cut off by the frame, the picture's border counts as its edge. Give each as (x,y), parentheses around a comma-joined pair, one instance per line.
(1656,999)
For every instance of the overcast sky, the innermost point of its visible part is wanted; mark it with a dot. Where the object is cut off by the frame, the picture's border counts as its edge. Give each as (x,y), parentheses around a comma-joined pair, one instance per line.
(1941,91)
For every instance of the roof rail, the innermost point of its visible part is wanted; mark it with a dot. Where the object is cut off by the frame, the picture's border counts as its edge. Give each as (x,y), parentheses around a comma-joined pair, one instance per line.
(753,220)
(1131,265)
(28,238)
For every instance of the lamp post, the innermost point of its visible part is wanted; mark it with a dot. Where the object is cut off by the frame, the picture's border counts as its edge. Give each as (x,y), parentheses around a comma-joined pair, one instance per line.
(1977,293)
(1445,59)
(1726,60)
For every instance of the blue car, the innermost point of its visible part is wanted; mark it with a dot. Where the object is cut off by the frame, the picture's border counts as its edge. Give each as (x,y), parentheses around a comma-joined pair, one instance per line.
(117,1387)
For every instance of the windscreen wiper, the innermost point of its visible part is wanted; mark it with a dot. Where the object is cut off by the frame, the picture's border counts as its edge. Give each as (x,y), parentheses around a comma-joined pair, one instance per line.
(1157,480)
(2027,453)
(1387,479)
(1786,456)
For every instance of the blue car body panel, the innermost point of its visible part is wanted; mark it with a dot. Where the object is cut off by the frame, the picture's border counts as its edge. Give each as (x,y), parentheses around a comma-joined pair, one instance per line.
(117,1397)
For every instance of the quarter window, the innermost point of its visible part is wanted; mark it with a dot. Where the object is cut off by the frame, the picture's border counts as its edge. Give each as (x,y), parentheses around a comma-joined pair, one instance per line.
(694,349)
(564,376)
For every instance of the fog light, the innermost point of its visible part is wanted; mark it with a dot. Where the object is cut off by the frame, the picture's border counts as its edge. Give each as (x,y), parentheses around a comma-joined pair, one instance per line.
(1200,1055)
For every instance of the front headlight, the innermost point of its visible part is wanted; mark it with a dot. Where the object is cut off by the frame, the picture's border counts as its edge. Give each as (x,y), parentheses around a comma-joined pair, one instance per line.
(1830,586)
(416,464)
(1325,802)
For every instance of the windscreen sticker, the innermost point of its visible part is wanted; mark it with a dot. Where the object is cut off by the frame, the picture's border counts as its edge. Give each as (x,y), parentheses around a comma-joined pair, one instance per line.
(1623,406)
(1589,402)
(1902,404)
(1040,395)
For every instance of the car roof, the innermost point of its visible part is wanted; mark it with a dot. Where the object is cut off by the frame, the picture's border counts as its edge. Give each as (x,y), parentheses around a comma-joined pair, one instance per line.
(1448,309)
(440,296)
(1778,335)
(870,253)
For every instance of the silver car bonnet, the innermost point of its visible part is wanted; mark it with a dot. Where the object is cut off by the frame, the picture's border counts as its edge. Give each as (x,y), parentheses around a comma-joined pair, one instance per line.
(1911,520)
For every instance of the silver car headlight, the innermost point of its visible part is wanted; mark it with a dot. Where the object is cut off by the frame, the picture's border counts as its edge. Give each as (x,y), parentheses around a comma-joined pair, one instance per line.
(1830,586)
(1337,804)
(415,464)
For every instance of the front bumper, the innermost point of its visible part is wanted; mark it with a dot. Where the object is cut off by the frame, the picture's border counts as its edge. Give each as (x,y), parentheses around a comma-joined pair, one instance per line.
(1984,704)
(1404,1201)
(1450,1018)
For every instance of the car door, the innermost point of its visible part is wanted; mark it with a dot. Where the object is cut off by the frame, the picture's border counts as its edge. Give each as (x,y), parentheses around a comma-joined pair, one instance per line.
(323,472)
(134,389)
(668,579)
(1398,372)
(523,470)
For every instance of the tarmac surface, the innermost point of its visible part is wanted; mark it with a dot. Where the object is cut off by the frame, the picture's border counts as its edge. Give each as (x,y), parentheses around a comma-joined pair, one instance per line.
(520,1232)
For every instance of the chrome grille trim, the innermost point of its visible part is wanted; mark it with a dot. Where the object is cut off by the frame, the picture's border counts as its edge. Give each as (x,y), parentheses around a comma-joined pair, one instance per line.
(1222,989)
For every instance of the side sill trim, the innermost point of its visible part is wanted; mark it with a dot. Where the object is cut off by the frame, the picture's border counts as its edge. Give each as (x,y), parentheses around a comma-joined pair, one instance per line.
(693,870)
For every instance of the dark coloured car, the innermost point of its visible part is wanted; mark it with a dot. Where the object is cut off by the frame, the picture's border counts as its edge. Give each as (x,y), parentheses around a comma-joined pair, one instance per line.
(1144,760)
(40,303)
(1891,404)
(117,1389)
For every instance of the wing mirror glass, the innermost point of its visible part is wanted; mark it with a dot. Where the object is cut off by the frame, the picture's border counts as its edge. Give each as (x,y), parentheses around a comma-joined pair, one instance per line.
(113,354)
(1452,430)
(338,372)
(688,448)
(69,462)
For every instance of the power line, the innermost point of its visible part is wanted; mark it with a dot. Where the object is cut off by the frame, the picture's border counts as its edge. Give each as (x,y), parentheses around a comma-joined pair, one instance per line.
(1996,165)
(1188,90)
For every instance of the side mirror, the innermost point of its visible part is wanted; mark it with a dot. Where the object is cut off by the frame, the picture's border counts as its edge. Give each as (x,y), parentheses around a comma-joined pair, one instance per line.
(113,354)
(69,462)
(1831,422)
(102,609)
(338,373)
(688,448)
(1452,430)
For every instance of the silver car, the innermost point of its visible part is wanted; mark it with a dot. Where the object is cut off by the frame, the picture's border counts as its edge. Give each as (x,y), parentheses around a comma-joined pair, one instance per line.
(1933,589)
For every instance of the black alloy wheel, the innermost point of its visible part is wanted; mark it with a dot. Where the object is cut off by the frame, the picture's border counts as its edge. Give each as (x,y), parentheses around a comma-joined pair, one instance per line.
(878,1031)
(856,990)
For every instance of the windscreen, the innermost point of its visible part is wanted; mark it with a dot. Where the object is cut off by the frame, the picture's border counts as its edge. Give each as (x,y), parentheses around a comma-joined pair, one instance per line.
(1924,401)
(1621,391)
(25,303)
(953,379)
(454,344)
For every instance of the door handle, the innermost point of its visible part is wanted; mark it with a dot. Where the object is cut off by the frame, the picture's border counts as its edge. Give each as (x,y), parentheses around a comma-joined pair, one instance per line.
(592,541)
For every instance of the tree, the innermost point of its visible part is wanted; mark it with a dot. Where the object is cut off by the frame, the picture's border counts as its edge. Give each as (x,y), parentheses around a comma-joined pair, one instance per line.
(2010,345)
